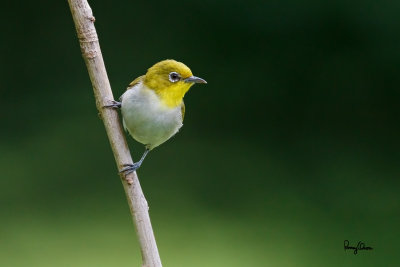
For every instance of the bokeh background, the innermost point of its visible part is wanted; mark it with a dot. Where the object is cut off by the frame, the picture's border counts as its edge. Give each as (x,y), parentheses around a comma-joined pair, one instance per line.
(291,148)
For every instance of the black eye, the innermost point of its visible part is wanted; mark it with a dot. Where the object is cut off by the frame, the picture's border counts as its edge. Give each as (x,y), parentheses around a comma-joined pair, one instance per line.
(174,77)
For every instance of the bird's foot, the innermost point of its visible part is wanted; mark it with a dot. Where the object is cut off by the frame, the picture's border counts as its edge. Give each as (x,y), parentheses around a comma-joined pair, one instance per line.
(114,104)
(129,168)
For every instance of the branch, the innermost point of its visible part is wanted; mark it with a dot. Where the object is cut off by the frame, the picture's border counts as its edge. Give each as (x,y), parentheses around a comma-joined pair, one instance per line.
(90,48)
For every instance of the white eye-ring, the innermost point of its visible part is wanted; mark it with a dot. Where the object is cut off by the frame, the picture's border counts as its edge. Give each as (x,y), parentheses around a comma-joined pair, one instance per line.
(174,77)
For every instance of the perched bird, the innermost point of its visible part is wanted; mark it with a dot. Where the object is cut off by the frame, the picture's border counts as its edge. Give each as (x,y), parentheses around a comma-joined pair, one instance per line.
(152,107)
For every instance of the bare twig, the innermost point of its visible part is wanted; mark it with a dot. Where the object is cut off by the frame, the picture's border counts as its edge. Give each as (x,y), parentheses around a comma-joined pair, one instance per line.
(84,23)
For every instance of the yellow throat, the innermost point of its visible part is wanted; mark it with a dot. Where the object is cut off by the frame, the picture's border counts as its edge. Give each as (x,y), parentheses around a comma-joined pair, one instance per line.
(170,81)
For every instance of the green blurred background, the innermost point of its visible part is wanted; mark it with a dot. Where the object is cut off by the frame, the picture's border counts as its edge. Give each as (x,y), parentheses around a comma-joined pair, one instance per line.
(291,148)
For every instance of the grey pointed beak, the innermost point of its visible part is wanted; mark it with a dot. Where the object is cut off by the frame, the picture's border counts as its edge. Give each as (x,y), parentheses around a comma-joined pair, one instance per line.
(194,79)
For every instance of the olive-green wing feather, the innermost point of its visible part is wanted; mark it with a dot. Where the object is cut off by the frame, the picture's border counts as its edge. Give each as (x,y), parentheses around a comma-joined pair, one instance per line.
(135,81)
(132,84)
(183,110)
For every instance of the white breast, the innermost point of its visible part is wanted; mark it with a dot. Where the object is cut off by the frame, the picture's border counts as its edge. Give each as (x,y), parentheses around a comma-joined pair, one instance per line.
(147,119)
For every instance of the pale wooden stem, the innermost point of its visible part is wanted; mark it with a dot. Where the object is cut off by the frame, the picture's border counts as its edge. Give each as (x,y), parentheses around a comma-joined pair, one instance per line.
(90,48)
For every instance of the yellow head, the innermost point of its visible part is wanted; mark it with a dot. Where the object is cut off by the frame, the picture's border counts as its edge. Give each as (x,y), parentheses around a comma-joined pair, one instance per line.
(170,80)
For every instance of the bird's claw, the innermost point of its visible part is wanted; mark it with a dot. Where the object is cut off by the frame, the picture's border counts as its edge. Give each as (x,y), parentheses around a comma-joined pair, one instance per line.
(114,104)
(129,168)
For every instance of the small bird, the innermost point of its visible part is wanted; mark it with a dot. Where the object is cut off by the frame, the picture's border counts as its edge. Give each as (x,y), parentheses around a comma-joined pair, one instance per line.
(152,107)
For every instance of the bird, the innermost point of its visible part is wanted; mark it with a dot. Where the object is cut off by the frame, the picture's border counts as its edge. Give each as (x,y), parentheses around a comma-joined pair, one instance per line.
(152,107)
